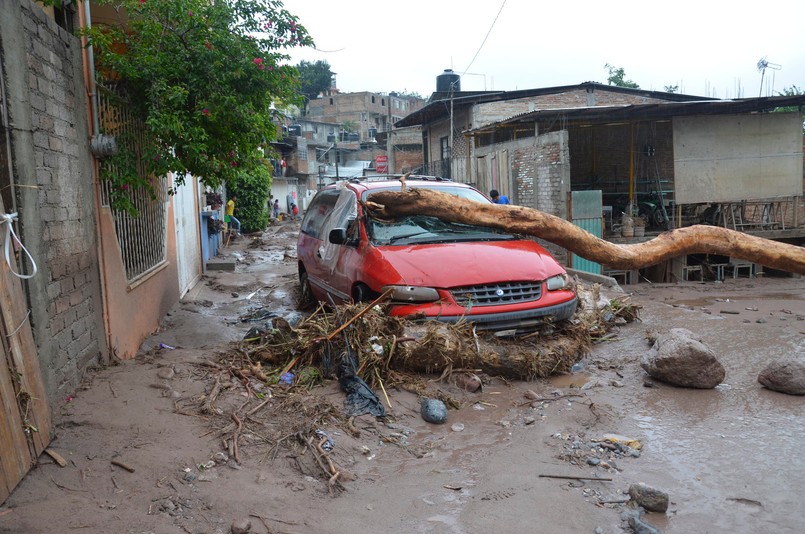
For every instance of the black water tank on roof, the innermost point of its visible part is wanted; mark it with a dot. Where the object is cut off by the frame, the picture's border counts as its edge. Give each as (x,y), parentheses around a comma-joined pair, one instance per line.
(295,130)
(448,81)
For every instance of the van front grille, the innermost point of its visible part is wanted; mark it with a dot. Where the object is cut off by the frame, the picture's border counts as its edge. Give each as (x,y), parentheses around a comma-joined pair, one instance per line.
(495,294)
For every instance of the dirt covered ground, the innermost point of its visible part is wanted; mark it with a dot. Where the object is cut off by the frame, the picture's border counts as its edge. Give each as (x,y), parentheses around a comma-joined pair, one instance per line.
(730,458)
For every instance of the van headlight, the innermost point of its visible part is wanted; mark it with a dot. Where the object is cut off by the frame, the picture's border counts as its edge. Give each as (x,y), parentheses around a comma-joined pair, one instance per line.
(560,281)
(412,293)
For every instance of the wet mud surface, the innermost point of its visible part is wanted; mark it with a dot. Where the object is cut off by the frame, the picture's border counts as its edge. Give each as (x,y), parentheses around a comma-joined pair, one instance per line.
(729,458)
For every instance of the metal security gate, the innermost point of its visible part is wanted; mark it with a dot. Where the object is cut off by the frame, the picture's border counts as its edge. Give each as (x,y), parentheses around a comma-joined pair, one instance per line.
(188,247)
(586,212)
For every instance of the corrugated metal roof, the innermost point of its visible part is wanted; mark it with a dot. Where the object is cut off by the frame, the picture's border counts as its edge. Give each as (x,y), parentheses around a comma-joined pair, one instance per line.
(663,110)
(439,106)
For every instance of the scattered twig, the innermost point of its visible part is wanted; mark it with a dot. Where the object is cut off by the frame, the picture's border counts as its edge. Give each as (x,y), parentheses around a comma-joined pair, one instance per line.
(235,436)
(124,465)
(56,457)
(572,477)
(112,389)
(380,380)
(550,399)
(730,312)
(264,519)
(254,410)
(216,388)
(114,482)
(617,501)
(62,486)
(355,431)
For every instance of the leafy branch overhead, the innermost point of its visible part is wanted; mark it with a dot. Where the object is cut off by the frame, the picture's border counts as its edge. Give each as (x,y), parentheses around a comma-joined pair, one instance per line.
(201,77)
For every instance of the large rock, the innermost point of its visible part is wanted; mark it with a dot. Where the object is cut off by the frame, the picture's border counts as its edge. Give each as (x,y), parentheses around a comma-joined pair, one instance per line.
(786,375)
(680,359)
(649,498)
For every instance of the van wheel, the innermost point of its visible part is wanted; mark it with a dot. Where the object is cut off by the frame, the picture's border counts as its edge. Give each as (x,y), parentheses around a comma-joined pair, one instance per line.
(306,298)
(362,293)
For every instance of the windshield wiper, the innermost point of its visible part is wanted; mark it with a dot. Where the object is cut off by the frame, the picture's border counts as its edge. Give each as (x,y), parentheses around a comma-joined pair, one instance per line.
(406,236)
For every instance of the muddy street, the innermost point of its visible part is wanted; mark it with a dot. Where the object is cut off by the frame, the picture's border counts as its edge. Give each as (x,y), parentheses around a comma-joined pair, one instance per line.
(729,458)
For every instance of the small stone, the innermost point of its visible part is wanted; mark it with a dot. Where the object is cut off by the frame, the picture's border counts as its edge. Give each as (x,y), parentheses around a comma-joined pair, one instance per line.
(166,373)
(468,382)
(530,394)
(616,383)
(599,530)
(649,498)
(220,457)
(529,421)
(593,461)
(189,476)
(235,295)
(761,321)
(641,527)
(457,427)
(504,424)
(242,526)
(648,384)
(433,411)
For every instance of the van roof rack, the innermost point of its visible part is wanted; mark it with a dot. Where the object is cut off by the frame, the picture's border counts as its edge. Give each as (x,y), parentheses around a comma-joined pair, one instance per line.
(387,177)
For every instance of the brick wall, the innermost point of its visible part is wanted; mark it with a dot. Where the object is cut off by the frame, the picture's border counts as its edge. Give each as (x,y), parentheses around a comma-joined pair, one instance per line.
(407,158)
(57,214)
(541,174)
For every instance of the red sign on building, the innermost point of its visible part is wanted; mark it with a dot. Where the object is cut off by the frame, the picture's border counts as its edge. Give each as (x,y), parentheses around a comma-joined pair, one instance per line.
(382,164)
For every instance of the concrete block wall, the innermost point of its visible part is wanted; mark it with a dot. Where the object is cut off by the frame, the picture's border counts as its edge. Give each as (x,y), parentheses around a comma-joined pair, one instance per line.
(51,162)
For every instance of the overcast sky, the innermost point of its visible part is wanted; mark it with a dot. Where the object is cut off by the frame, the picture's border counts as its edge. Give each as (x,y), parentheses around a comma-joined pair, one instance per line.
(706,47)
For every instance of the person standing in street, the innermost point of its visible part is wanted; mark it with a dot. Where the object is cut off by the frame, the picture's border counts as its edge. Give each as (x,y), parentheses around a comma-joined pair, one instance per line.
(275,209)
(230,214)
(497,198)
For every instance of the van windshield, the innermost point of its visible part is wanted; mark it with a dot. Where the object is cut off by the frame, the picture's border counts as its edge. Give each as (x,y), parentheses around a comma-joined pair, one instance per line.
(425,229)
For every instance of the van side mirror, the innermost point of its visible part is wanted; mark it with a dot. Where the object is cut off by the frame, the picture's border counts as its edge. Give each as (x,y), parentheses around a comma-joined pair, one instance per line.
(338,236)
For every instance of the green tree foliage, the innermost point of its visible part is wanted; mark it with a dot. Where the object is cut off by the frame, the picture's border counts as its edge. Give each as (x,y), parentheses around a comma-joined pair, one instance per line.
(792,91)
(201,76)
(252,187)
(671,88)
(616,77)
(314,78)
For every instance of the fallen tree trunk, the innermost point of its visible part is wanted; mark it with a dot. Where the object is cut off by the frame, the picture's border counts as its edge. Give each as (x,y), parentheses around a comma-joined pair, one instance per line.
(440,347)
(699,239)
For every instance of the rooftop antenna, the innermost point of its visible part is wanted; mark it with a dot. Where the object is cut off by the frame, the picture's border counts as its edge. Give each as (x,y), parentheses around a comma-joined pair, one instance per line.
(762,65)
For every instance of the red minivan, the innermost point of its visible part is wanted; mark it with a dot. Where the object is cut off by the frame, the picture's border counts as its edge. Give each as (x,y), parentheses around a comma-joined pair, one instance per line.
(433,268)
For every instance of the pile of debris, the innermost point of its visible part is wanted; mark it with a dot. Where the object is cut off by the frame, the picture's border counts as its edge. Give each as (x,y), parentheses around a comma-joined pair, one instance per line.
(259,396)
(381,345)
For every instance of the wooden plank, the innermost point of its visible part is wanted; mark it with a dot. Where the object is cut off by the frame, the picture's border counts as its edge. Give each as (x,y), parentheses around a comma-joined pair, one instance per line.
(15,456)
(23,355)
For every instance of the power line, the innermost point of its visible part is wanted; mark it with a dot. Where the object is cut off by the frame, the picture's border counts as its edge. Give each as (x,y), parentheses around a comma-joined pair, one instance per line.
(485,38)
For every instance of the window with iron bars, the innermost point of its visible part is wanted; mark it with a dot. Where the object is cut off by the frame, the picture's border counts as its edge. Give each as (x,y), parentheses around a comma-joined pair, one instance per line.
(142,238)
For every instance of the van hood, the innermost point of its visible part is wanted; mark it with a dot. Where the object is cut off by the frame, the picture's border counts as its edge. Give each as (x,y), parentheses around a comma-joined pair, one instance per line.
(446,265)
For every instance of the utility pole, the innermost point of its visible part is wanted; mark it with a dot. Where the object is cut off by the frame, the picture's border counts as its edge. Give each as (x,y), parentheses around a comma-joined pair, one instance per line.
(335,147)
(389,141)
